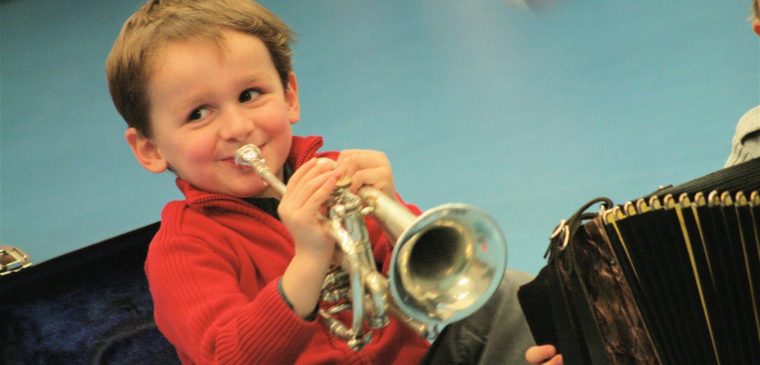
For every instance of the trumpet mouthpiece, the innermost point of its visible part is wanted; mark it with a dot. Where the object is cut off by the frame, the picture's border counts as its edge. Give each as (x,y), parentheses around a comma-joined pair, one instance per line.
(250,156)
(247,155)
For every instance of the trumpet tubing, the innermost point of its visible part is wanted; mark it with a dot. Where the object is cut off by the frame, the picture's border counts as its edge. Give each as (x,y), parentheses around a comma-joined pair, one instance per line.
(445,264)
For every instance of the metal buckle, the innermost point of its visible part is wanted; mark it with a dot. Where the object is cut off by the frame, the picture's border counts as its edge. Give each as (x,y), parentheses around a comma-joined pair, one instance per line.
(564,230)
(12,259)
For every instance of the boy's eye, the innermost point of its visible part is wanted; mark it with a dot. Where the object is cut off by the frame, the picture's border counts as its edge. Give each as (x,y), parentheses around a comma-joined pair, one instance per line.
(198,114)
(249,95)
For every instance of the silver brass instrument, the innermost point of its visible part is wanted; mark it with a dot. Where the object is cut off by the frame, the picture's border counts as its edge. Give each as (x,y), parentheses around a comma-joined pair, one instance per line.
(445,265)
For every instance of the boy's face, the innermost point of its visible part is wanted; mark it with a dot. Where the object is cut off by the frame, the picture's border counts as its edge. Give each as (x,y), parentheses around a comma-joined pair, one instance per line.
(205,103)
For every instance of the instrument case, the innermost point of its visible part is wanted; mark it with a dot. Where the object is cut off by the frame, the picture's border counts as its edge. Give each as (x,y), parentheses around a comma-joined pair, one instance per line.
(89,306)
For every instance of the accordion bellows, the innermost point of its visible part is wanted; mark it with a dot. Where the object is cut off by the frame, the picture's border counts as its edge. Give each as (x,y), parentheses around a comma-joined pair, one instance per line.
(671,278)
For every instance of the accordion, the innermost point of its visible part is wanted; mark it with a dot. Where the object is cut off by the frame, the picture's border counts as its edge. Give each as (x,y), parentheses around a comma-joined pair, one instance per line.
(670,278)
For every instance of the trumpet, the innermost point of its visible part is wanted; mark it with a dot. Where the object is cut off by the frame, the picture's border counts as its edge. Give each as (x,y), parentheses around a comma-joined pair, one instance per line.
(446,263)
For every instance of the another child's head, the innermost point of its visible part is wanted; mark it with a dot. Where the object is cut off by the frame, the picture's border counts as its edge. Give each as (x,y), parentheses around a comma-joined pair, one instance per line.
(197,79)
(159,22)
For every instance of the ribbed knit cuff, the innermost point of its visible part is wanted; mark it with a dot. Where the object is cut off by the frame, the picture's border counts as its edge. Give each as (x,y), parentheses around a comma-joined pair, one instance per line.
(312,316)
(282,294)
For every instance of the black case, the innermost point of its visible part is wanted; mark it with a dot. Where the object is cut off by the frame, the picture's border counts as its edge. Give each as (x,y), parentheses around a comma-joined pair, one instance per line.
(90,306)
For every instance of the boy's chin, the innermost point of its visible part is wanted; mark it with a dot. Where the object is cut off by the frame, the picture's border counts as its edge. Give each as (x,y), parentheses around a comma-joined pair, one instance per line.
(256,189)
(267,192)
(234,187)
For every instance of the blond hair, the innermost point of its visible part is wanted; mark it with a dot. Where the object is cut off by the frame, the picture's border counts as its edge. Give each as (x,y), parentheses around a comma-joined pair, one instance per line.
(159,22)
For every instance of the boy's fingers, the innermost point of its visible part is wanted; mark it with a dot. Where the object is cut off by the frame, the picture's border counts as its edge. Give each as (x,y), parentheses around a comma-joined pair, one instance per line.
(376,177)
(366,167)
(309,188)
(314,190)
(310,169)
(540,354)
(303,170)
(355,160)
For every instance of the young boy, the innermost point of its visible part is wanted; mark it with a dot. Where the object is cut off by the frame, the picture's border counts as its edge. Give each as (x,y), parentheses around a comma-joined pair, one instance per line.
(235,270)
(745,146)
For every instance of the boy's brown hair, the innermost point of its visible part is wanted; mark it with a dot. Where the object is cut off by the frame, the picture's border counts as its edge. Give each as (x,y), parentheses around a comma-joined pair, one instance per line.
(158,22)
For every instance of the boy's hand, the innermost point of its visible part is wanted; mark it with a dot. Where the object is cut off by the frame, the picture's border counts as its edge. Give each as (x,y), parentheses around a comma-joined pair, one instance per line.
(300,210)
(302,206)
(367,168)
(543,355)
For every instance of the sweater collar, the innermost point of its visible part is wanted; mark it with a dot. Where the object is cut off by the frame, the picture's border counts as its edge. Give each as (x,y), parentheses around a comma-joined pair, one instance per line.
(301,150)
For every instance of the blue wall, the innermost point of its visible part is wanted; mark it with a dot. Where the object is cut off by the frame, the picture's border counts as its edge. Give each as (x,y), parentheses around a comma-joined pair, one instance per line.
(525,114)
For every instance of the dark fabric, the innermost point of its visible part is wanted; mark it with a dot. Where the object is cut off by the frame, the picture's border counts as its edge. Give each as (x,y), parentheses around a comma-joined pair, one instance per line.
(90,306)
(495,334)
(268,205)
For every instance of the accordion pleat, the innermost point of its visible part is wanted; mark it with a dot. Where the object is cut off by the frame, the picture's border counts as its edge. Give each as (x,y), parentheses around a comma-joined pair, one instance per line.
(693,266)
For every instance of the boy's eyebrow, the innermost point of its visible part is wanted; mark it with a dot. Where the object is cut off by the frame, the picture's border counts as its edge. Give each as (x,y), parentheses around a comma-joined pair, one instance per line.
(188,101)
(258,78)
(255,77)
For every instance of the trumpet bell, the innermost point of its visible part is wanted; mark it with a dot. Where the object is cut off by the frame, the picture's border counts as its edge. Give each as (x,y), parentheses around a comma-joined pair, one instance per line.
(447,264)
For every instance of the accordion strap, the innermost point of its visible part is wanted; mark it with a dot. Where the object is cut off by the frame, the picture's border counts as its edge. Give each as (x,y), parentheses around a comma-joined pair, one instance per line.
(566,229)
(559,290)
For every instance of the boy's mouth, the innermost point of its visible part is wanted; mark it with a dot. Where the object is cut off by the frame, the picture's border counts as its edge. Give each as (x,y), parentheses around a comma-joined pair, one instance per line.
(231,160)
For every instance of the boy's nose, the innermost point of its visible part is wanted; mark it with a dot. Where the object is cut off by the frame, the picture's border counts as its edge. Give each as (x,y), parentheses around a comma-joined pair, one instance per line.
(237,125)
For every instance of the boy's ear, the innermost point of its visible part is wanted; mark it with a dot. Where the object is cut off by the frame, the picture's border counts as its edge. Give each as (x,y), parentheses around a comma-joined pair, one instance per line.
(756,26)
(291,98)
(145,151)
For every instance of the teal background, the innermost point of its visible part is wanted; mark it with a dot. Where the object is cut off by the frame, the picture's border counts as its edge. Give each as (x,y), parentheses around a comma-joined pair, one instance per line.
(524,113)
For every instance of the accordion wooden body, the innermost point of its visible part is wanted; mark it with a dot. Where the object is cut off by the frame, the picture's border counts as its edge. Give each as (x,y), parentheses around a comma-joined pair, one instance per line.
(671,278)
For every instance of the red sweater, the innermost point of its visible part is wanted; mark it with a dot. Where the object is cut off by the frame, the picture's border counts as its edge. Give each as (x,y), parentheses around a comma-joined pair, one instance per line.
(213,269)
